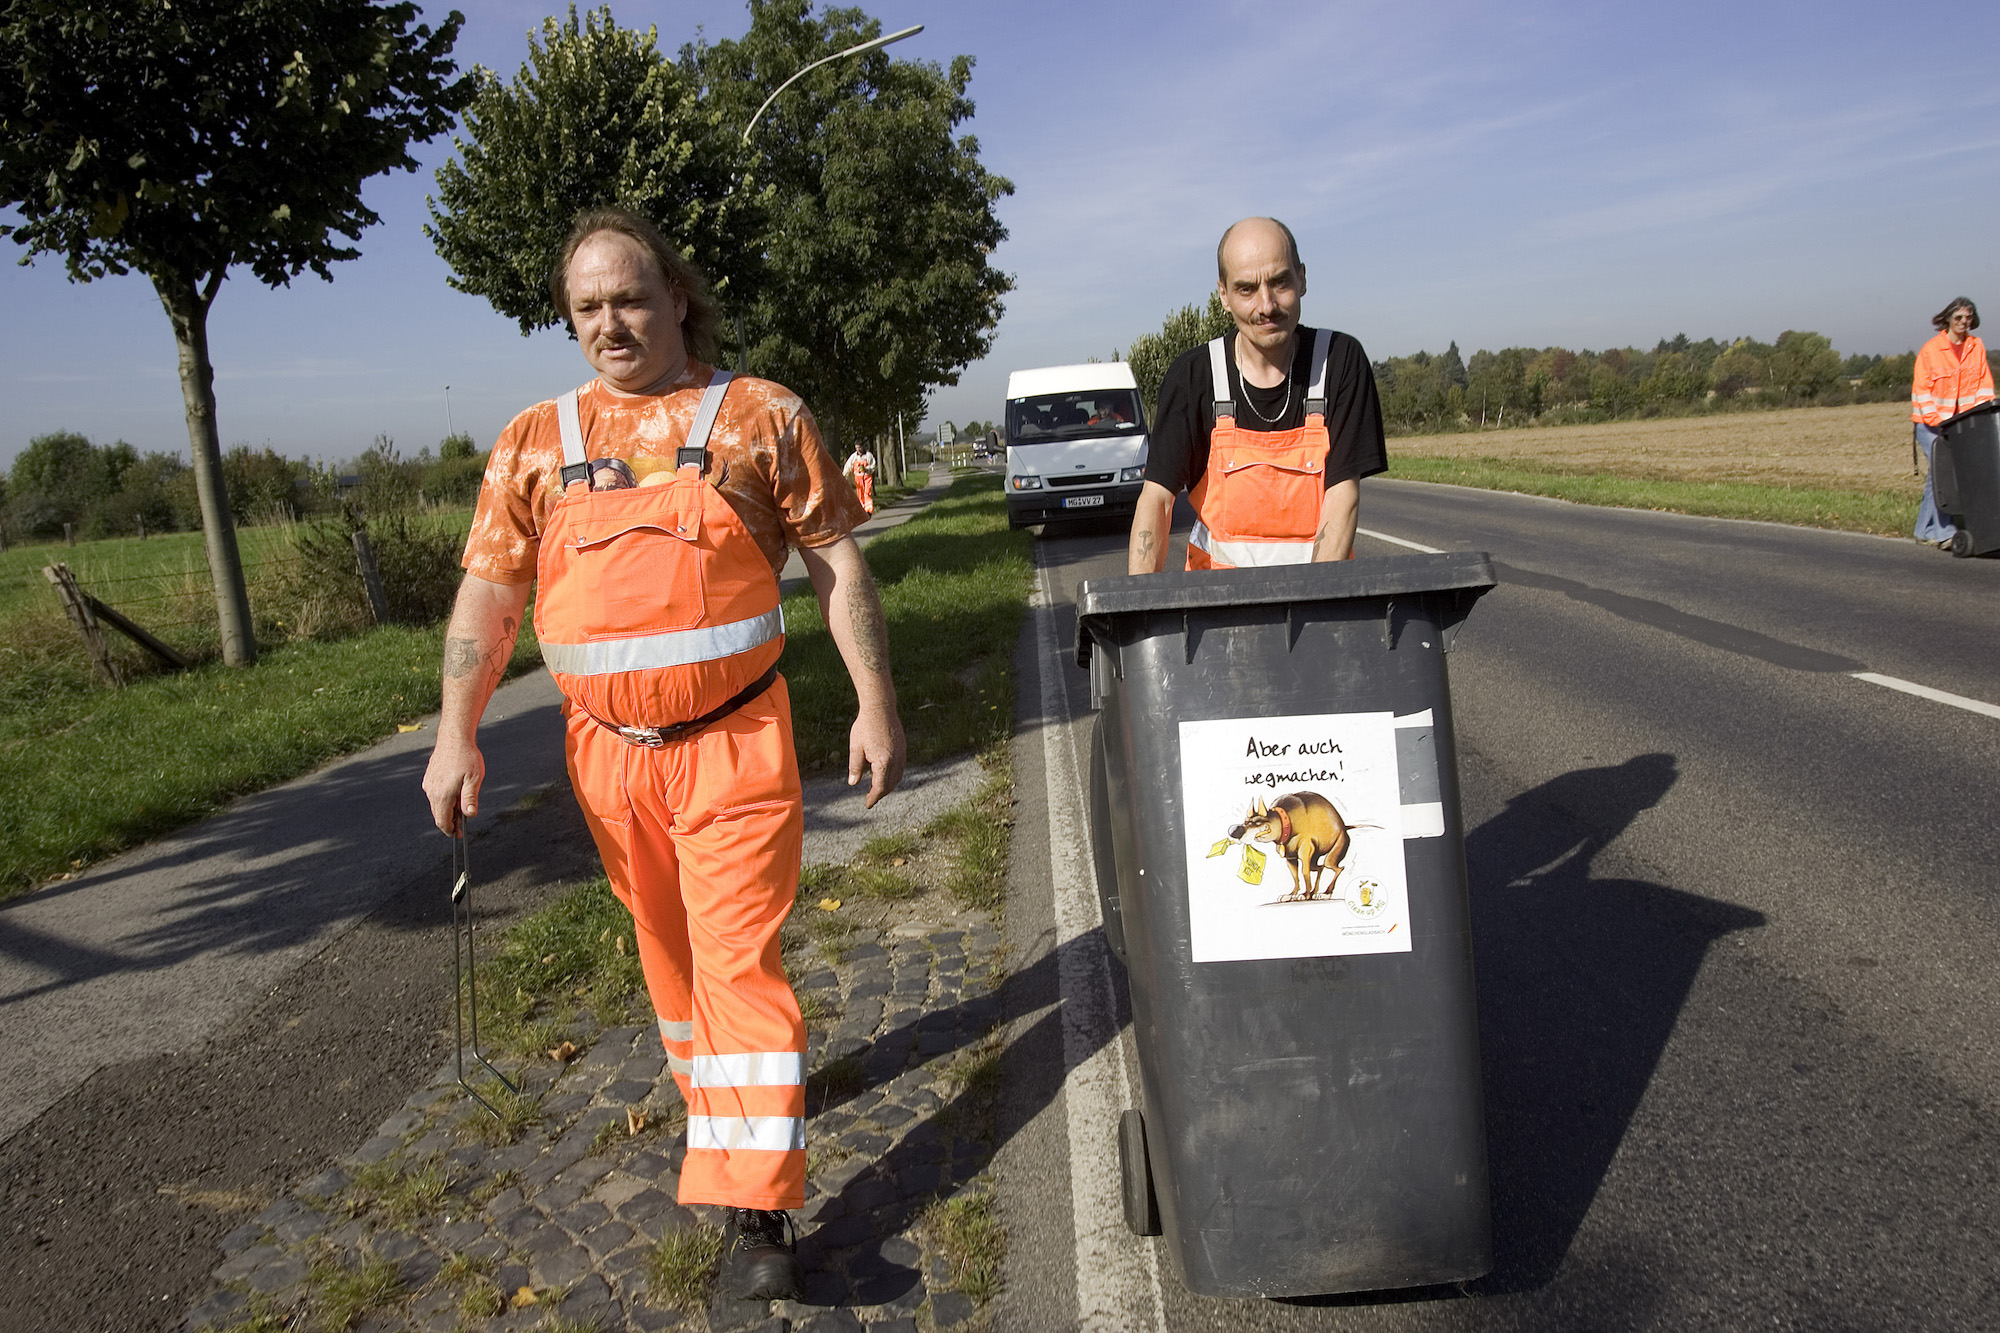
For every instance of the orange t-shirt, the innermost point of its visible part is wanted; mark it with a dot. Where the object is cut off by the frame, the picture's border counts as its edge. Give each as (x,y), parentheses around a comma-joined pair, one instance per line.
(765,457)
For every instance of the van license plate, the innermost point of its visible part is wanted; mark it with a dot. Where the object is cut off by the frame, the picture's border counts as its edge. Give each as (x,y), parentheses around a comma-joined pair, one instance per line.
(1082,501)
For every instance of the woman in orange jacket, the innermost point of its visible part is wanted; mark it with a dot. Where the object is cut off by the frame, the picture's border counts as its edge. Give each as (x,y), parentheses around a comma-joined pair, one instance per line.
(1952,377)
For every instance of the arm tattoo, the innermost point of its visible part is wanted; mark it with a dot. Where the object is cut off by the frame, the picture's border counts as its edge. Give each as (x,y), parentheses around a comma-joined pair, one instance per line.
(461,657)
(871,638)
(1146,546)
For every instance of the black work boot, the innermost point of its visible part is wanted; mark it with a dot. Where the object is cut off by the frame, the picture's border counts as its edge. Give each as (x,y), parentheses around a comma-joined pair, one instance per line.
(762,1255)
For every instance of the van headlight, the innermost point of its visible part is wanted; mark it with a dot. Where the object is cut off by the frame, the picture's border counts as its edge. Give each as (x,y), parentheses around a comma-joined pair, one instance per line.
(1132,473)
(1026,483)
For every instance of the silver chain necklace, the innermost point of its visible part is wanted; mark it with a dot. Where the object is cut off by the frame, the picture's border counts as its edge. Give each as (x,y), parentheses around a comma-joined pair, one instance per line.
(1282,407)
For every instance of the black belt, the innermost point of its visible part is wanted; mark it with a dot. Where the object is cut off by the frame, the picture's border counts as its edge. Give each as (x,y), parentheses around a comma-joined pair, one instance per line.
(655,737)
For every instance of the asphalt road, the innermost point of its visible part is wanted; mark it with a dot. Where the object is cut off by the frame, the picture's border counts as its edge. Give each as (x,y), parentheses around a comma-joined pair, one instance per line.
(1734,923)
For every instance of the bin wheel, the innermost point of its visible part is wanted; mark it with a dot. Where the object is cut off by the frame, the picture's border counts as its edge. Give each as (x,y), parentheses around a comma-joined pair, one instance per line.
(1142,1207)
(1104,858)
(1961,543)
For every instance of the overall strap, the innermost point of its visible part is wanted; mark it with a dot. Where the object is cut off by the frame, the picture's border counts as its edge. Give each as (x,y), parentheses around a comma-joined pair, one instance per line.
(694,453)
(1218,370)
(1316,395)
(574,467)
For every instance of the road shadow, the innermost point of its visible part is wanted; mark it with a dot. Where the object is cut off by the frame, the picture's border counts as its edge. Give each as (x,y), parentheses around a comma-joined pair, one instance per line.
(271,872)
(1581,979)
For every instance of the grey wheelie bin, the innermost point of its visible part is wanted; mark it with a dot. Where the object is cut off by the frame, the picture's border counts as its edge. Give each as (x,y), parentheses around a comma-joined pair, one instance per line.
(1275,813)
(1966,464)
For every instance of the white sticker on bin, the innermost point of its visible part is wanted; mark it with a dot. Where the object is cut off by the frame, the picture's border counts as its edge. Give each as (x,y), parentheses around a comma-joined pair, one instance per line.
(1295,829)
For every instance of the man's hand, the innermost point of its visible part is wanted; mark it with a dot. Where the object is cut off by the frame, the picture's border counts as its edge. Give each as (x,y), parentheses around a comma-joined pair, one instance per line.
(876,743)
(452,783)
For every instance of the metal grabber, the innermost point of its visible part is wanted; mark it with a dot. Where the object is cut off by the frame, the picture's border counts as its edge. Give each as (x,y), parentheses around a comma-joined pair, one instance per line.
(464,976)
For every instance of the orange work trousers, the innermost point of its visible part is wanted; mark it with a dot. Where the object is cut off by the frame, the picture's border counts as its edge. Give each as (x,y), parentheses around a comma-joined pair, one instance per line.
(701,840)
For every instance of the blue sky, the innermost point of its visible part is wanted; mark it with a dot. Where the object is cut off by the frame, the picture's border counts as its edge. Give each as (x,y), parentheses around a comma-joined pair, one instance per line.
(1523,174)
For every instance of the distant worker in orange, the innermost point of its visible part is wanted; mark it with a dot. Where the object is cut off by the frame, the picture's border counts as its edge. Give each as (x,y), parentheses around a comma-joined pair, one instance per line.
(1270,429)
(861,469)
(652,509)
(1952,377)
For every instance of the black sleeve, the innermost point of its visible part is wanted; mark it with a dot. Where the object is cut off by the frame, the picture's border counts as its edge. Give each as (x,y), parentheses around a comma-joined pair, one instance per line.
(1180,425)
(1355,447)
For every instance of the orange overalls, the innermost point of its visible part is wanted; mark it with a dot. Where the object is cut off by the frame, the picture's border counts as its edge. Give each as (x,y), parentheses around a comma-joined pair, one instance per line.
(864,483)
(657,608)
(1259,501)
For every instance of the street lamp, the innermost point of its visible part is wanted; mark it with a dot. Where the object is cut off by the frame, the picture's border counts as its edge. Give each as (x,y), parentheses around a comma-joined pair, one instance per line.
(742,345)
(837,55)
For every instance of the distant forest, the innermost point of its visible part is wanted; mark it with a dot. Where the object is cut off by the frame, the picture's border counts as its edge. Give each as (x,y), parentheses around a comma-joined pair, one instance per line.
(1553,386)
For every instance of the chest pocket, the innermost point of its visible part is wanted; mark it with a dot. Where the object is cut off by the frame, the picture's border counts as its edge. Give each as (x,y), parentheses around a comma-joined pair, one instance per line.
(636,558)
(1271,490)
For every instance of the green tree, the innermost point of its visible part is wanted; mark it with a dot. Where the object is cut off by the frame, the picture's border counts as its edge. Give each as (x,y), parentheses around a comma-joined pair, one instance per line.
(54,481)
(596,116)
(1742,367)
(182,140)
(1803,366)
(878,281)
(1674,379)
(1186,329)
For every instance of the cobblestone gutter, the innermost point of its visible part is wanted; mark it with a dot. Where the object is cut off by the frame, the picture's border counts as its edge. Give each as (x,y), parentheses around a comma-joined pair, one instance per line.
(554,1231)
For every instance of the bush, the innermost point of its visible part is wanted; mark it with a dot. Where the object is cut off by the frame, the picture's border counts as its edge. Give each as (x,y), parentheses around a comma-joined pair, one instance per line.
(322,596)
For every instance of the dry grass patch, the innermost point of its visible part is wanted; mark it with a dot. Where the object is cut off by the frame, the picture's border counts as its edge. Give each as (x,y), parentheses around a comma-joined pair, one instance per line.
(1864,447)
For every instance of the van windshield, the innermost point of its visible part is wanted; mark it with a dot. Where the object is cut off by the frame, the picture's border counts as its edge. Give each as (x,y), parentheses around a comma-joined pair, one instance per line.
(1071,416)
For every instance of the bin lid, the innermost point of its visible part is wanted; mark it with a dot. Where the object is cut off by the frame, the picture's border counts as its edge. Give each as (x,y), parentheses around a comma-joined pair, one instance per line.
(1466,573)
(1985,409)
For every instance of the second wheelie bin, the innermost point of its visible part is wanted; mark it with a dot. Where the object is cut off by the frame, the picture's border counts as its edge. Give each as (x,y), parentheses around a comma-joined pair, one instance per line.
(1965,465)
(1275,808)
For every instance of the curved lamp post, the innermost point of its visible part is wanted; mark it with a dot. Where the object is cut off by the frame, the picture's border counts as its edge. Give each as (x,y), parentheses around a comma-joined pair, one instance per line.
(823,60)
(742,347)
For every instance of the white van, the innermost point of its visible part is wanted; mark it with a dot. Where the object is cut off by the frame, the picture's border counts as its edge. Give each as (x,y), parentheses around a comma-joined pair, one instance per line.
(1076,443)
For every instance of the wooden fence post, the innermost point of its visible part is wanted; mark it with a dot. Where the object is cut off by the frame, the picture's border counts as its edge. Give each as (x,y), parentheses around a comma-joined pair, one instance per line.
(69,534)
(364,555)
(78,608)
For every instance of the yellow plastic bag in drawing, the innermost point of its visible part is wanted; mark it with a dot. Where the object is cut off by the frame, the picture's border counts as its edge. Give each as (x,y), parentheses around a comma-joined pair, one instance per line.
(1253,866)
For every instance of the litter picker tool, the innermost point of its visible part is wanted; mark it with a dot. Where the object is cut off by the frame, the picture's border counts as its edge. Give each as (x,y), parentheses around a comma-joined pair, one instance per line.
(465,979)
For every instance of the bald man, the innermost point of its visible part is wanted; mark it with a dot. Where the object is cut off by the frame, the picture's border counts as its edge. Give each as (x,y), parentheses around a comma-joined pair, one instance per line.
(1270,429)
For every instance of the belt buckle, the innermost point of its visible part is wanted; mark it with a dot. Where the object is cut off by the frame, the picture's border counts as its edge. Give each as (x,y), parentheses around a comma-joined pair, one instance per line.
(649,737)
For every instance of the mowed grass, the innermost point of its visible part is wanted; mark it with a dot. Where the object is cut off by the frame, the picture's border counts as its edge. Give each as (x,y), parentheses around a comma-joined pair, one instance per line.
(1829,467)
(954,583)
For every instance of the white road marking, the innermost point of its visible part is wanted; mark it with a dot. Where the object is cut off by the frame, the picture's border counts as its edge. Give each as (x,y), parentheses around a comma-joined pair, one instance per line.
(1926,692)
(1873,678)
(1117,1273)
(1397,541)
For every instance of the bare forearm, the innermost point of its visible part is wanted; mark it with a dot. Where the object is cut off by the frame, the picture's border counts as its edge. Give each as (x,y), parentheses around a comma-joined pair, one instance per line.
(853,612)
(1152,519)
(1339,511)
(485,621)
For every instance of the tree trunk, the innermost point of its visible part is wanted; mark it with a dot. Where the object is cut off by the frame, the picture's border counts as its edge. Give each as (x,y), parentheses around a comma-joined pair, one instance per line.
(187,308)
(886,462)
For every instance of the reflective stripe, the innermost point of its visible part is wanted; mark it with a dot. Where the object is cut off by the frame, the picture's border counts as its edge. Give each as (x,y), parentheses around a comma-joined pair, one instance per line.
(734,1133)
(676,1065)
(572,431)
(644,652)
(1218,370)
(1244,555)
(681,1031)
(750,1069)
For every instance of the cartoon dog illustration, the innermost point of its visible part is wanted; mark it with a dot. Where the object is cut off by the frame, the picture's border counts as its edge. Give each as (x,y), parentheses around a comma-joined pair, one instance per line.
(1304,826)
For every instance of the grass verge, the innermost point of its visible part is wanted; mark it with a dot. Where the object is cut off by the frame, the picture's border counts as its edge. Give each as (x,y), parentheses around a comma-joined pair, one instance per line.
(86,772)
(954,582)
(1804,506)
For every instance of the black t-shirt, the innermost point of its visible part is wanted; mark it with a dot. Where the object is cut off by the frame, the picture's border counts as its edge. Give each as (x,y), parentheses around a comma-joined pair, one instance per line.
(1181,426)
